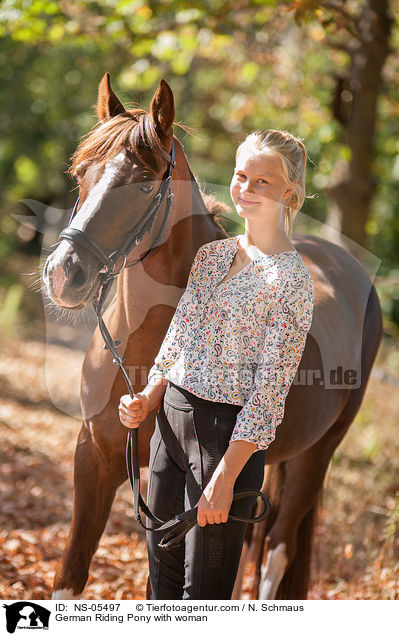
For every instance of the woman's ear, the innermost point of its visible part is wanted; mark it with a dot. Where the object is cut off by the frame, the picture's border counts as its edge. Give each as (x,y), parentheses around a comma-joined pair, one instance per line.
(289,191)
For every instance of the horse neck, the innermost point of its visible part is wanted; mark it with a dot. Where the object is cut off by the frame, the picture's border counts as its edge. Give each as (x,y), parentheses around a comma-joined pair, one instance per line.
(191,210)
(189,226)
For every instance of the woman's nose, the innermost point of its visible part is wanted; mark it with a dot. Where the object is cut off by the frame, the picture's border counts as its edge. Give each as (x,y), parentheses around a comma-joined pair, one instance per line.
(246,187)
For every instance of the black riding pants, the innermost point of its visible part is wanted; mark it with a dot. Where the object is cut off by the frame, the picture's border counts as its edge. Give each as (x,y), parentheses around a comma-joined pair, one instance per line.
(190,438)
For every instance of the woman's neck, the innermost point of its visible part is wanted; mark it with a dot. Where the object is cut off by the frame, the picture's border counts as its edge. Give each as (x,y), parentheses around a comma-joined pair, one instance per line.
(269,240)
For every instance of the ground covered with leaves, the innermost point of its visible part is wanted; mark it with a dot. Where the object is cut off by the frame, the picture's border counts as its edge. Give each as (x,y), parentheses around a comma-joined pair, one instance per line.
(356,554)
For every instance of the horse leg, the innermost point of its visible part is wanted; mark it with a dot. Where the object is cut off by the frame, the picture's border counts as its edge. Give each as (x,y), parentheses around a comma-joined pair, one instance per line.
(247,579)
(298,483)
(293,487)
(285,573)
(97,476)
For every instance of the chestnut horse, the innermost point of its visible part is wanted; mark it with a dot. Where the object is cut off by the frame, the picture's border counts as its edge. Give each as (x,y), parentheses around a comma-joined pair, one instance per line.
(120,165)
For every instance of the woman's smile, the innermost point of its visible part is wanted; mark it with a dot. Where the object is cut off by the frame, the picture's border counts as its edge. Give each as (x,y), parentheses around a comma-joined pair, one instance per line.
(246,202)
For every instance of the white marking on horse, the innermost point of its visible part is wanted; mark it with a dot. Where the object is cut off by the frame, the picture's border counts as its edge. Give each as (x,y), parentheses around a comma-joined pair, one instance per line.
(89,207)
(98,192)
(65,594)
(273,572)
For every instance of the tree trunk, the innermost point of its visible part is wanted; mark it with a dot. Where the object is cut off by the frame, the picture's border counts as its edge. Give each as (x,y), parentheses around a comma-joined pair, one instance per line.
(352,184)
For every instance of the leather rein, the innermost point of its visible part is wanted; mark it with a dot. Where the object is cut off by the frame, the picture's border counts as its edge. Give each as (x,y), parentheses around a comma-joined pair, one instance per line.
(178,526)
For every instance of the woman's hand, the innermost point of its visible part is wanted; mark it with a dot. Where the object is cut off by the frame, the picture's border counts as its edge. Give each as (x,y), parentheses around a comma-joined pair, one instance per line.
(215,502)
(133,411)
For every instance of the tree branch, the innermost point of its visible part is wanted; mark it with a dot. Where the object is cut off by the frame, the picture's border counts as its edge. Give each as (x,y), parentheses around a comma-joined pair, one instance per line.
(347,47)
(339,8)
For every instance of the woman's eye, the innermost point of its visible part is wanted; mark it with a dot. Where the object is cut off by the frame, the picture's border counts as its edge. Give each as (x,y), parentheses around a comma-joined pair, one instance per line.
(146,188)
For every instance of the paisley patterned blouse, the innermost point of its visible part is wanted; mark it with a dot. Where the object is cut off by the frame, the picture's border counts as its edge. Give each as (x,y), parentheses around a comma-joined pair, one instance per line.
(240,341)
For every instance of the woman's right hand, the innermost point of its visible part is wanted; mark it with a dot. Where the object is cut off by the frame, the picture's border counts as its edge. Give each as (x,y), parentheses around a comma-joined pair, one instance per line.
(133,411)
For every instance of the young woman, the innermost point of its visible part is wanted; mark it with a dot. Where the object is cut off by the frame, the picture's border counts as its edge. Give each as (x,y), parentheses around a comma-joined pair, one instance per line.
(227,362)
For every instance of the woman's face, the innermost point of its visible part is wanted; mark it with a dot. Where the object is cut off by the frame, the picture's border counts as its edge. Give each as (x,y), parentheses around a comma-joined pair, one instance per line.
(258,185)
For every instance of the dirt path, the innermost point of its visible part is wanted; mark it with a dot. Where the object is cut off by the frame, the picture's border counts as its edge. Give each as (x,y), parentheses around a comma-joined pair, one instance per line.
(357,544)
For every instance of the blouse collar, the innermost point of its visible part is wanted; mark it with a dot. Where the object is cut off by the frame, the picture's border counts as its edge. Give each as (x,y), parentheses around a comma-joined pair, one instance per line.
(257,254)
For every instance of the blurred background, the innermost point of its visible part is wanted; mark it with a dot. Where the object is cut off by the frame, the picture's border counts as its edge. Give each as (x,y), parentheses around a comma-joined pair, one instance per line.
(326,71)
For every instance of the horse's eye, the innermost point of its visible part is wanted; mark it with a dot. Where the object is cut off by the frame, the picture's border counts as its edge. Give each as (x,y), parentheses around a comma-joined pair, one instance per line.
(146,188)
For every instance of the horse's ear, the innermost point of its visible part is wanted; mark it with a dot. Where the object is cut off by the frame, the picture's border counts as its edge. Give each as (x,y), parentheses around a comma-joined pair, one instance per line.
(162,108)
(108,105)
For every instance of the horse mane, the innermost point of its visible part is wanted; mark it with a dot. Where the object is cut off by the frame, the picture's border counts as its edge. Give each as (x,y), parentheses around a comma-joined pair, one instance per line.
(216,209)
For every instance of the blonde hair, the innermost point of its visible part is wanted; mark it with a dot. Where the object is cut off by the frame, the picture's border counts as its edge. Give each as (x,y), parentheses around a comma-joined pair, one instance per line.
(292,153)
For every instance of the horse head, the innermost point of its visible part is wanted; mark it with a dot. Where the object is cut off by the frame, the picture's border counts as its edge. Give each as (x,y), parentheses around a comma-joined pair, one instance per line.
(123,168)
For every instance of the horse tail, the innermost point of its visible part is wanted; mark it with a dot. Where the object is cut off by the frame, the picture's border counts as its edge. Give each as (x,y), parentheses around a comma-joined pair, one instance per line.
(295,582)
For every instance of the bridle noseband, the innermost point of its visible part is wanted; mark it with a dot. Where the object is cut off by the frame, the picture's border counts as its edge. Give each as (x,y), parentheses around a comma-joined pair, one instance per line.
(181,524)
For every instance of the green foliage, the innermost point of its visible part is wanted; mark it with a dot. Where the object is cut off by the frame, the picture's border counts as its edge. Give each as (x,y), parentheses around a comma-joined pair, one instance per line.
(233,66)
(10,305)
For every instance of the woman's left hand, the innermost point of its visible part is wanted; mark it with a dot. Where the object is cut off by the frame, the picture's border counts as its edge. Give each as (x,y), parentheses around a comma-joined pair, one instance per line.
(215,502)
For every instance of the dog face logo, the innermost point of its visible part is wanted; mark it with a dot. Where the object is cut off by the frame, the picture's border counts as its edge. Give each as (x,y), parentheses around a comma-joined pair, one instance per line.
(26,615)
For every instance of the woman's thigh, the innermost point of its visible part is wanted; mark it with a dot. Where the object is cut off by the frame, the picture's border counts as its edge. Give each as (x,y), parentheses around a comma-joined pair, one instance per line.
(165,499)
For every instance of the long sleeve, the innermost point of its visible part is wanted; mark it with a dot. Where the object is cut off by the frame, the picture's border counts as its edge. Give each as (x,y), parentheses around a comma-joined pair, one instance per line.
(176,335)
(288,322)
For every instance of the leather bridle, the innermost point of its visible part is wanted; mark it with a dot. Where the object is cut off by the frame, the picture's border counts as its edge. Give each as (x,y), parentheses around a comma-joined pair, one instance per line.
(144,225)
(180,525)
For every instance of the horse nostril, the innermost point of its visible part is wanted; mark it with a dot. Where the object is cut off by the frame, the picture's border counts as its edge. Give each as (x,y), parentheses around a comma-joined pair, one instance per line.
(79,278)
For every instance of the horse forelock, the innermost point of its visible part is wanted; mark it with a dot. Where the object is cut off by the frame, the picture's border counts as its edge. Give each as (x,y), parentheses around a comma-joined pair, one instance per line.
(133,130)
